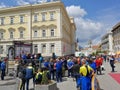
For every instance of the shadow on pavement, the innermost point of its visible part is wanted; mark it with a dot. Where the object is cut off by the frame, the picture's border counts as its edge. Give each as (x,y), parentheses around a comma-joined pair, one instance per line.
(8,79)
(8,83)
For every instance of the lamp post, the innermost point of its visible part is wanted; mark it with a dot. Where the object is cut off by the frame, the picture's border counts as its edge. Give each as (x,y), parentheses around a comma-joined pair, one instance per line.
(31,42)
(0,47)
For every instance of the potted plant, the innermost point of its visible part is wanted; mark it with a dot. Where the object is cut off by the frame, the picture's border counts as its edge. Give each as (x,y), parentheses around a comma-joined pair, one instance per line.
(46,83)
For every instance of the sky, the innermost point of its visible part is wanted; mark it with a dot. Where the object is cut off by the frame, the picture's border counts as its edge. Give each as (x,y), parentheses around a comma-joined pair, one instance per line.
(93,18)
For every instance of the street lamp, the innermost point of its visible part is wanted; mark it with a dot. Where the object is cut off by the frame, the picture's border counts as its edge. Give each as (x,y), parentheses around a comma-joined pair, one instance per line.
(31,42)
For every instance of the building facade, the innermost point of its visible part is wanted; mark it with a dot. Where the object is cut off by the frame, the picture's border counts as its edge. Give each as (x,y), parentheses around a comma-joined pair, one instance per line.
(47,26)
(116,37)
(107,43)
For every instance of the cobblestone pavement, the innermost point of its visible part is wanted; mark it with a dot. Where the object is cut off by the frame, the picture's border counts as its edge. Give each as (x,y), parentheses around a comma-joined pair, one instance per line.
(106,81)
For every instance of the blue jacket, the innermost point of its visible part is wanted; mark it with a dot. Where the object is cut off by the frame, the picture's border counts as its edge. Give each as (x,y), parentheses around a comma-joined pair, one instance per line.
(29,72)
(70,64)
(59,65)
(3,66)
(46,64)
(41,59)
(93,66)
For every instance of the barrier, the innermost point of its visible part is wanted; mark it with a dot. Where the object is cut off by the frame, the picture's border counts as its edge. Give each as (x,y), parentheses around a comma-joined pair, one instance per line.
(94,83)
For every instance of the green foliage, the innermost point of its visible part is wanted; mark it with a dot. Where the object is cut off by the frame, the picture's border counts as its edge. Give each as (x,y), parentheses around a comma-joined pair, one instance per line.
(44,78)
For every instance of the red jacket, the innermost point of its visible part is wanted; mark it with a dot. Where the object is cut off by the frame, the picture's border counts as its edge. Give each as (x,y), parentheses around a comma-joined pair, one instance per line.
(99,61)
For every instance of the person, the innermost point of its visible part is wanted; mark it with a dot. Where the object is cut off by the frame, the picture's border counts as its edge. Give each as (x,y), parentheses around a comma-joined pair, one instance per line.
(58,66)
(98,62)
(3,68)
(46,64)
(0,65)
(41,60)
(53,56)
(92,64)
(21,75)
(51,69)
(86,72)
(76,74)
(112,61)
(38,77)
(16,68)
(29,74)
(70,64)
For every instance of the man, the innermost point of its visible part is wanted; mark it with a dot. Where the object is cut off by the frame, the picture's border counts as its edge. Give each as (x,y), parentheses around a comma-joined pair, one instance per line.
(21,75)
(70,64)
(99,61)
(38,77)
(59,70)
(112,62)
(86,72)
(3,68)
(29,75)
(75,70)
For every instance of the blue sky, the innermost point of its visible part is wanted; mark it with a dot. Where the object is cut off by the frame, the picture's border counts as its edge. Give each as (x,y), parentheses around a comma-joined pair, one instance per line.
(93,18)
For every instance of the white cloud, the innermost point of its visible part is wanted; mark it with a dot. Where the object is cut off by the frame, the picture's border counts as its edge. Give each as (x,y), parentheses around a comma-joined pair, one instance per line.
(22,2)
(42,1)
(76,11)
(2,5)
(87,29)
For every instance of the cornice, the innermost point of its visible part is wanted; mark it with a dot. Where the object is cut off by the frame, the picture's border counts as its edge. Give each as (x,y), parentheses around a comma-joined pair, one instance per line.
(31,6)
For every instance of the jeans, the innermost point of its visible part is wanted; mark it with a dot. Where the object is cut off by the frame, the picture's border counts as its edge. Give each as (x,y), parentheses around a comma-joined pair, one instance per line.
(59,75)
(70,73)
(2,74)
(22,86)
(27,84)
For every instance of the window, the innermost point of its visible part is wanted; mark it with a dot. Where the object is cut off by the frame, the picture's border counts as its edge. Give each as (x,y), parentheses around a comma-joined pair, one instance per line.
(1,35)
(21,19)
(11,20)
(1,49)
(35,49)
(43,16)
(35,33)
(11,34)
(43,48)
(21,34)
(52,48)
(52,32)
(35,17)
(51,16)
(43,33)
(2,21)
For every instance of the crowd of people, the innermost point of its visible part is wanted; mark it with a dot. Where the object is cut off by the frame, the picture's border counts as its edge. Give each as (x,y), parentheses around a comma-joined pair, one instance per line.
(80,68)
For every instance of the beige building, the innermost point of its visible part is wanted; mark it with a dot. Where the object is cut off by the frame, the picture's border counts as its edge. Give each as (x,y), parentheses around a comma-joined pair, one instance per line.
(116,37)
(47,26)
(107,43)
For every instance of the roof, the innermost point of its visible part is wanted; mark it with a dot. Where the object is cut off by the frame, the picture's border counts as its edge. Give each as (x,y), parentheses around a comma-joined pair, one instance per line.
(115,27)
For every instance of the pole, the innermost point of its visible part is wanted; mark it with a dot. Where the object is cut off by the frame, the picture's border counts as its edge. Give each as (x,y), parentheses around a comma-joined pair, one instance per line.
(31,29)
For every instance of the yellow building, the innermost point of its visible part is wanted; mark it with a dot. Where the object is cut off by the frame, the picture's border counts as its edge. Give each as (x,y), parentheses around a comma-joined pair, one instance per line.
(116,38)
(47,26)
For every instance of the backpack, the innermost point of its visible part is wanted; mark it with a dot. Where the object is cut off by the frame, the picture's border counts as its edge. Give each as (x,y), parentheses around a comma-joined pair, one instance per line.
(20,75)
